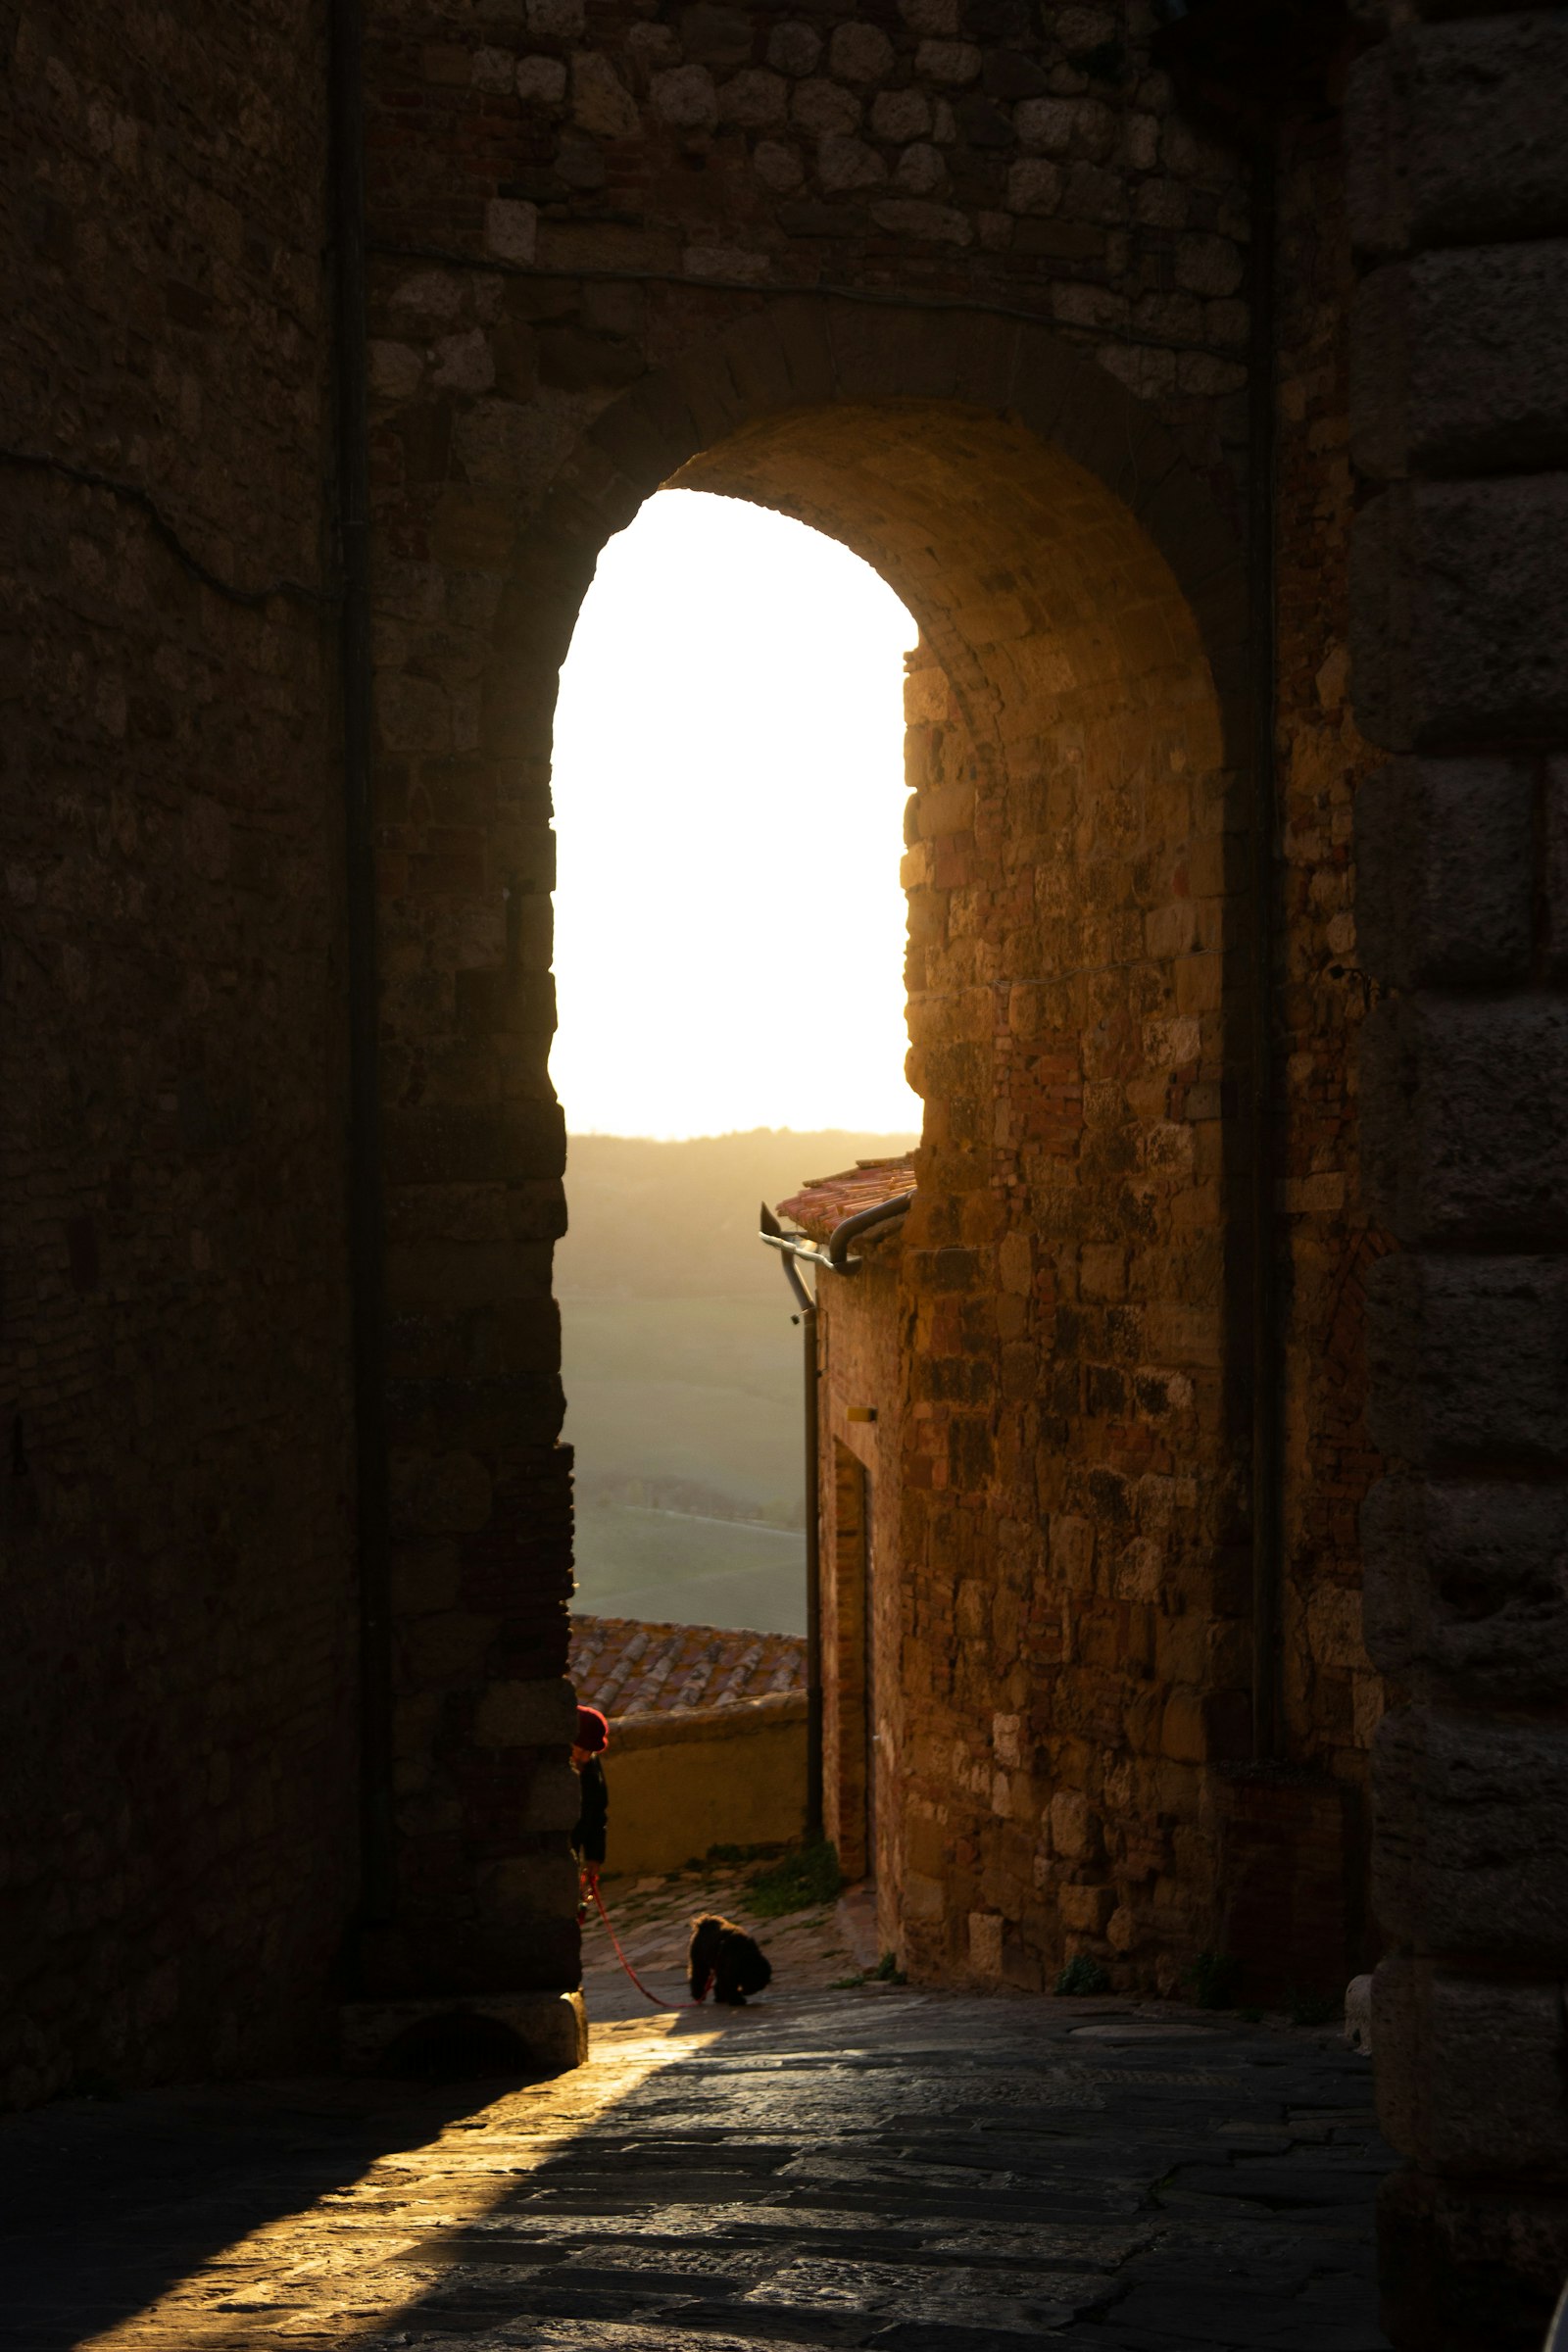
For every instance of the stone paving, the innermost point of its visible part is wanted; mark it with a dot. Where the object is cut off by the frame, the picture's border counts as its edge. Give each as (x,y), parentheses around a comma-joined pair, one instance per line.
(869,2165)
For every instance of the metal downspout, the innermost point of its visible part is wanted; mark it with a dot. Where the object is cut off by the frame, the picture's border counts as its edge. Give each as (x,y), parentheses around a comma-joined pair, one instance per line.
(864,1221)
(837,1259)
(814,1543)
(814,1569)
(365,1215)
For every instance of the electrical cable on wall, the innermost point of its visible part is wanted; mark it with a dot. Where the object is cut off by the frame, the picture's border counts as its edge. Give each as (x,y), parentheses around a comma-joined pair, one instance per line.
(132,493)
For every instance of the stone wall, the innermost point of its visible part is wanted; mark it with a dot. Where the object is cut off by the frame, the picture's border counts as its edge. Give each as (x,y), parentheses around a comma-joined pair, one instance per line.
(959,282)
(602,241)
(1457,136)
(1075,1656)
(1328,1241)
(177,1675)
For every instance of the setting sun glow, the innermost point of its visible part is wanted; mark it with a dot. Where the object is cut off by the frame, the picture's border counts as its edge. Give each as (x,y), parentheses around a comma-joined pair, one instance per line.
(729,791)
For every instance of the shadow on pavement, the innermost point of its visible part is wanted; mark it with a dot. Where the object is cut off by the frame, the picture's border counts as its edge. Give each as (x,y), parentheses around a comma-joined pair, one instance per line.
(107,2203)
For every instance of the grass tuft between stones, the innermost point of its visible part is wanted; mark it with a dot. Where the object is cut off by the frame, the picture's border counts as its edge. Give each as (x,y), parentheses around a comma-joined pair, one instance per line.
(801,1881)
(1083,1976)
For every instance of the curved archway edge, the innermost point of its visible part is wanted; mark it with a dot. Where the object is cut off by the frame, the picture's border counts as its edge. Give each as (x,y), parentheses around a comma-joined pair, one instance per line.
(1130,1004)
(809,349)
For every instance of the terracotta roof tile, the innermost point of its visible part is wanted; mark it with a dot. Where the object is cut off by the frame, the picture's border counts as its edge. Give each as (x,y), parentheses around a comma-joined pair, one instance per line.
(627,1668)
(821,1205)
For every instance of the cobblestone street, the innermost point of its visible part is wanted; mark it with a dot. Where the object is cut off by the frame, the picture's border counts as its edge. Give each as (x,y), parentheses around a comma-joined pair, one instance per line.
(876,2165)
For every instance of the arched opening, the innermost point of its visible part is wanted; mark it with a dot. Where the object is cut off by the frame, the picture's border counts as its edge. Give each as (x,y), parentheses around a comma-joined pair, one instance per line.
(1059,1652)
(1059,1655)
(729,944)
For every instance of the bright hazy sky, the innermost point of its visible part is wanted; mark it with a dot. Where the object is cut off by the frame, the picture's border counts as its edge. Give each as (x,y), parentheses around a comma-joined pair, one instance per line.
(729,804)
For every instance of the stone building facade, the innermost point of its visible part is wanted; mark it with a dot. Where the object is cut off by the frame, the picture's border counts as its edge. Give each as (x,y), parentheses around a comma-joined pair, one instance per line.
(1195,383)
(179,1819)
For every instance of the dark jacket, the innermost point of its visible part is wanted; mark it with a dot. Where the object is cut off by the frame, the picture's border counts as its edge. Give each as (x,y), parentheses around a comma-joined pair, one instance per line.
(588,1838)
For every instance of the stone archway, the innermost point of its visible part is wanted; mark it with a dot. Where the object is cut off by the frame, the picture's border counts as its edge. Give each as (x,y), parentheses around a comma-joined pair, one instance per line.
(1070,991)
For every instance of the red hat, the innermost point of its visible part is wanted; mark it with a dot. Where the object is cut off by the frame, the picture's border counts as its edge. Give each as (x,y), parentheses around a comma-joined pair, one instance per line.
(593,1729)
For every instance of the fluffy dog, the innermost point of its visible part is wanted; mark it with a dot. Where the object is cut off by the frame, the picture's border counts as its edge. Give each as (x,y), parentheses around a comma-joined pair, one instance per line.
(725,1956)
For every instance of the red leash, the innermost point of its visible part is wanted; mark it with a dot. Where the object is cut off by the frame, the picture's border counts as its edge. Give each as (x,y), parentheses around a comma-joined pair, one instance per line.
(627,1964)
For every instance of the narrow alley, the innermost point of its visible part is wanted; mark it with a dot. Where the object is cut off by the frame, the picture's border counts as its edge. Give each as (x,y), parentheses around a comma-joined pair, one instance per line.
(840,2165)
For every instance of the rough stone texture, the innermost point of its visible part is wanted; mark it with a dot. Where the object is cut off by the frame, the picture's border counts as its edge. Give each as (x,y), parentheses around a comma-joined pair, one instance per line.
(889,429)
(1059,504)
(1472,1857)
(1467,1587)
(1328,1237)
(1056,493)
(1458,134)
(1065,1366)
(1454,591)
(177,1834)
(1469,1359)
(1448,872)
(1460,359)
(1466,1137)
(1454,2054)
(1458,185)
(969,290)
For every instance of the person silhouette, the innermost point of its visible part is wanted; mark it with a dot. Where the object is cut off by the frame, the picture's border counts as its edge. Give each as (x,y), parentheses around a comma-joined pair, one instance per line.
(589,1742)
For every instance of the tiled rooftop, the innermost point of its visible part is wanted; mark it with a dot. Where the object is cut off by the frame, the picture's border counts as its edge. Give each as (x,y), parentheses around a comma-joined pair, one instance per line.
(820,1207)
(626,1668)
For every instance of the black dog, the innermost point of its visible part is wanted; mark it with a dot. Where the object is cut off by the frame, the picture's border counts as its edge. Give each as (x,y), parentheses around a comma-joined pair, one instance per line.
(725,1956)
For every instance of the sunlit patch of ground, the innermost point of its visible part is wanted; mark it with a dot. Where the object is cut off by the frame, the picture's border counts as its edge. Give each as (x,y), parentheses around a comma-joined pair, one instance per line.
(810,1949)
(345,2264)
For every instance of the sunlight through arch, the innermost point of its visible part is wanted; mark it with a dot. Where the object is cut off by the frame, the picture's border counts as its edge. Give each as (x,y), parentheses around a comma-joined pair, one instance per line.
(728,787)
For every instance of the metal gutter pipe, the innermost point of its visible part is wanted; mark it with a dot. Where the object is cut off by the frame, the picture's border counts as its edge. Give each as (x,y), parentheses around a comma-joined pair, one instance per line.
(811,1400)
(836,1259)
(366,1212)
(836,1255)
(773,1233)
(863,1220)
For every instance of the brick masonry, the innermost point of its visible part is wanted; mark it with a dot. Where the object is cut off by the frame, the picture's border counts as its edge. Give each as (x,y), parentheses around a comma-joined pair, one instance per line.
(960,281)
(1058,502)
(179,1831)
(572,221)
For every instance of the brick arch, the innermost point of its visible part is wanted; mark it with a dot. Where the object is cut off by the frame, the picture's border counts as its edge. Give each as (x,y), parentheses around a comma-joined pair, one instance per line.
(1081,606)
(817,354)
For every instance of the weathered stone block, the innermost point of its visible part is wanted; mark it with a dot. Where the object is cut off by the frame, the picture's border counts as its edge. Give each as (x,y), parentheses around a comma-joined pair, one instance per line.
(1468,1359)
(1472,1851)
(1454,593)
(1465,1119)
(1459,363)
(1470,2070)
(1554,876)
(1446,871)
(1468,1584)
(1459,133)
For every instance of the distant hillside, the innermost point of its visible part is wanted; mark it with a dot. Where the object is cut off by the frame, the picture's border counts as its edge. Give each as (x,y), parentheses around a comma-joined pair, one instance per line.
(682,1371)
(649,1220)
